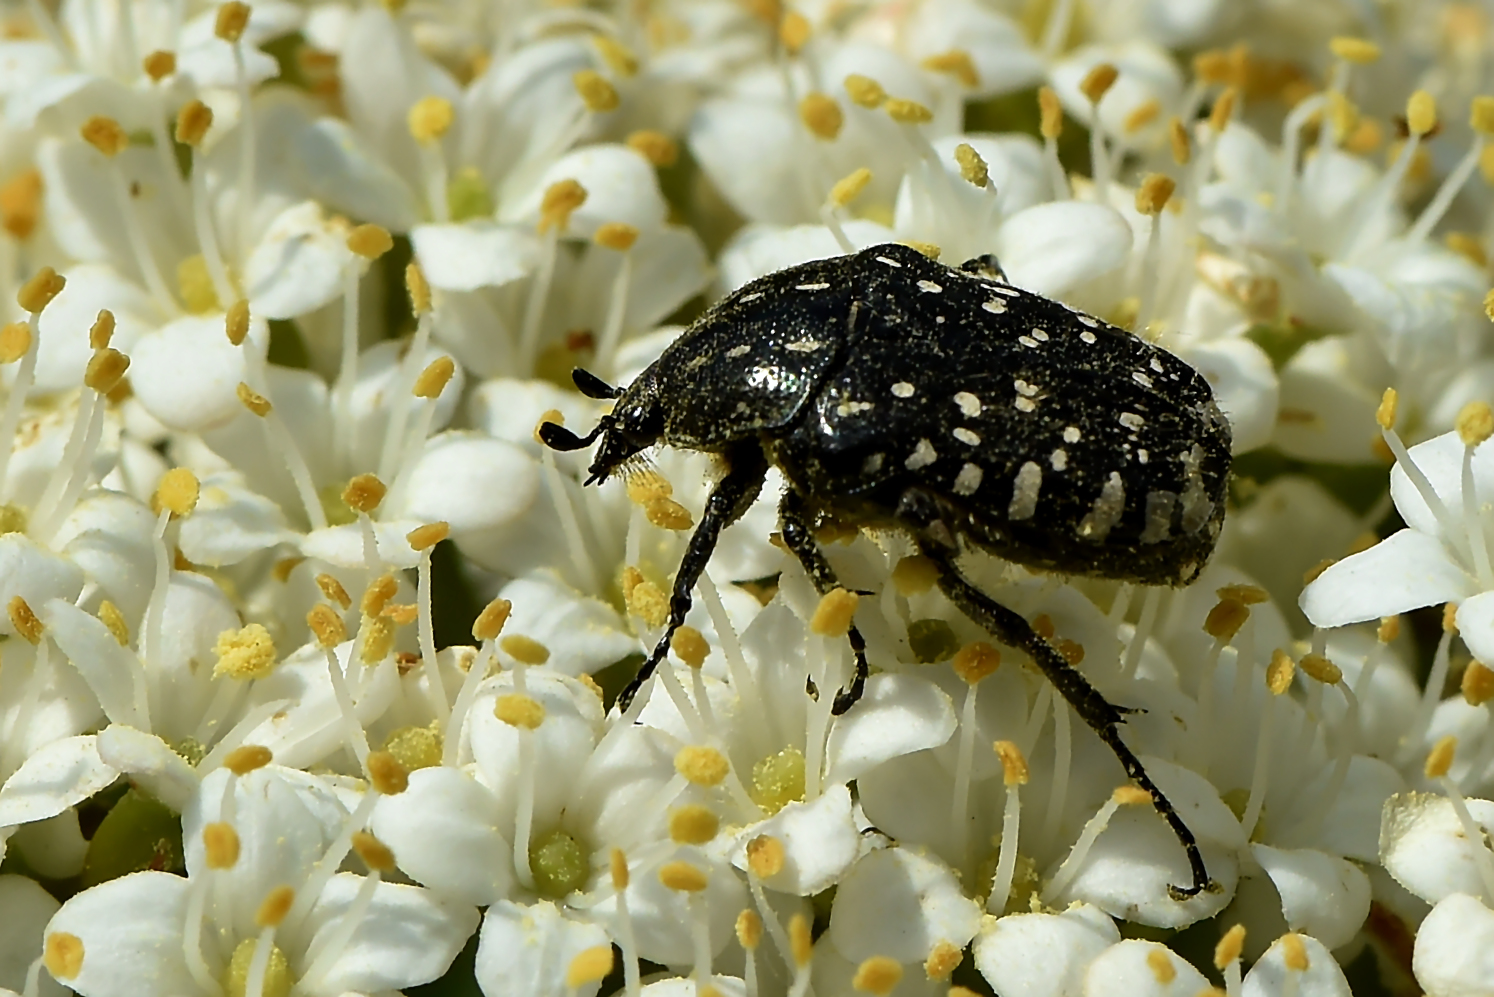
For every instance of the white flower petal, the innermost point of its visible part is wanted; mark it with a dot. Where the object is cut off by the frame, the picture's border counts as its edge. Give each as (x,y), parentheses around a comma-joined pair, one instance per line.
(1322,978)
(231,522)
(898,714)
(1405,571)
(524,951)
(473,254)
(60,775)
(443,829)
(820,839)
(1327,406)
(1245,387)
(111,670)
(1321,895)
(561,745)
(1476,625)
(187,373)
(62,348)
(477,484)
(1454,954)
(1042,955)
(53,849)
(343,545)
(111,537)
(34,573)
(1423,847)
(621,186)
(1137,968)
(1053,248)
(25,909)
(407,936)
(299,263)
(758,250)
(131,929)
(344,174)
(150,763)
(583,633)
(897,903)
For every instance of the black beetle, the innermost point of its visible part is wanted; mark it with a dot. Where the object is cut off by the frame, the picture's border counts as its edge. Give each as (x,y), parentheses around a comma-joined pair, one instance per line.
(894,392)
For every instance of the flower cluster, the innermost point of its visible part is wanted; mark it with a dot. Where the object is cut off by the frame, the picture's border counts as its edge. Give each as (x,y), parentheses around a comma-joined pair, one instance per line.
(311,649)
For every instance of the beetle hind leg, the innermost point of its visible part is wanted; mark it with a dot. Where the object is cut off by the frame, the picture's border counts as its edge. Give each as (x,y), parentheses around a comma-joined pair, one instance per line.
(1103,717)
(798,537)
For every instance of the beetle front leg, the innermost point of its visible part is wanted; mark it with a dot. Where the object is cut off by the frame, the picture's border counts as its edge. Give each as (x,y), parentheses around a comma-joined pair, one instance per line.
(730,498)
(798,537)
(1100,714)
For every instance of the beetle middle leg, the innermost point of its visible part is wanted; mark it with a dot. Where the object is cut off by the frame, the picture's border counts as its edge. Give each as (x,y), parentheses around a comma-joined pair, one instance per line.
(730,498)
(1103,717)
(798,536)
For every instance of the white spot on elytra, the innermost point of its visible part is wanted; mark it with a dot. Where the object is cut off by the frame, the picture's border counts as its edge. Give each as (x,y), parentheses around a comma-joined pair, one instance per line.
(995,306)
(929,287)
(1106,512)
(804,346)
(1131,421)
(1088,337)
(1089,321)
(1028,342)
(738,351)
(1023,404)
(1156,365)
(969,404)
(1142,456)
(1023,388)
(1159,506)
(1041,335)
(746,298)
(1059,459)
(922,456)
(890,263)
(1025,491)
(848,407)
(810,287)
(903,389)
(1010,292)
(938,319)
(1197,506)
(1071,434)
(872,464)
(968,480)
(966,436)
(1140,378)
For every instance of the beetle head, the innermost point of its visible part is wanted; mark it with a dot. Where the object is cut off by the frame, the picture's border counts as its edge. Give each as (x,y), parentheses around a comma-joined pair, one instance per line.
(630,428)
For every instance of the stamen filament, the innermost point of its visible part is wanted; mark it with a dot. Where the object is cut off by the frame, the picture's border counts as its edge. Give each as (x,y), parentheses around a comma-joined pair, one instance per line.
(207,236)
(353,733)
(534,307)
(476,672)
(617,310)
(1074,861)
(435,686)
(960,800)
(399,414)
(1442,200)
(25,380)
(1063,758)
(1474,521)
(344,433)
(524,812)
(150,272)
(1006,861)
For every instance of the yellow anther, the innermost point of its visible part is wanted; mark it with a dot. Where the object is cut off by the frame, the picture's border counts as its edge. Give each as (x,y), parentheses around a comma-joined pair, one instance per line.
(386,774)
(246,653)
(245,759)
(690,646)
(489,622)
(1389,629)
(105,134)
(193,119)
(1318,667)
(943,959)
(433,380)
(1475,423)
(1481,115)
(63,955)
(15,341)
(588,966)
(1450,618)
(907,112)
(1294,953)
(220,843)
(1478,683)
(865,91)
(878,975)
(1360,51)
(233,18)
(374,853)
(793,31)
(1098,81)
(378,639)
(849,187)
(1226,619)
(683,877)
(418,289)
(423,537)
(378,594)
(524,650)
(1050,113)
(656,147)
(519,710)
(1160,963)
(972,167)
(102,330)
(801,941)
(1130,796)
(24,621)
(1177,137)
(1229,947)
(618,57)
(701,765)
(178,491)
(21,203)
(275,907)
(1223,109)
(645,600)
(596,91)
(832,617)
(236,322)
(1142,115)
(618,236)
(364,492)
(1013,763)
(1279,672)
(822,115)
(1154,193)
(326,625)
(561,199)
(749,930)
(1421,113)
(668,514)
(975,661)
(1250,595)
(332,589)
(106,368)
(114,620)
(1440,758)
(253,400)
(617,867)
(765,856)
(159,65)
(402,613)
(370,241)
(957,63)
(39,291)
(429,119)
(1385,413)
(693,824)
(915,574)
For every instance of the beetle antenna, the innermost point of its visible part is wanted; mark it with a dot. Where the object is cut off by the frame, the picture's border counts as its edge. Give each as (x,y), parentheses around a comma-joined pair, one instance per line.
(592,386)
(557,437)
